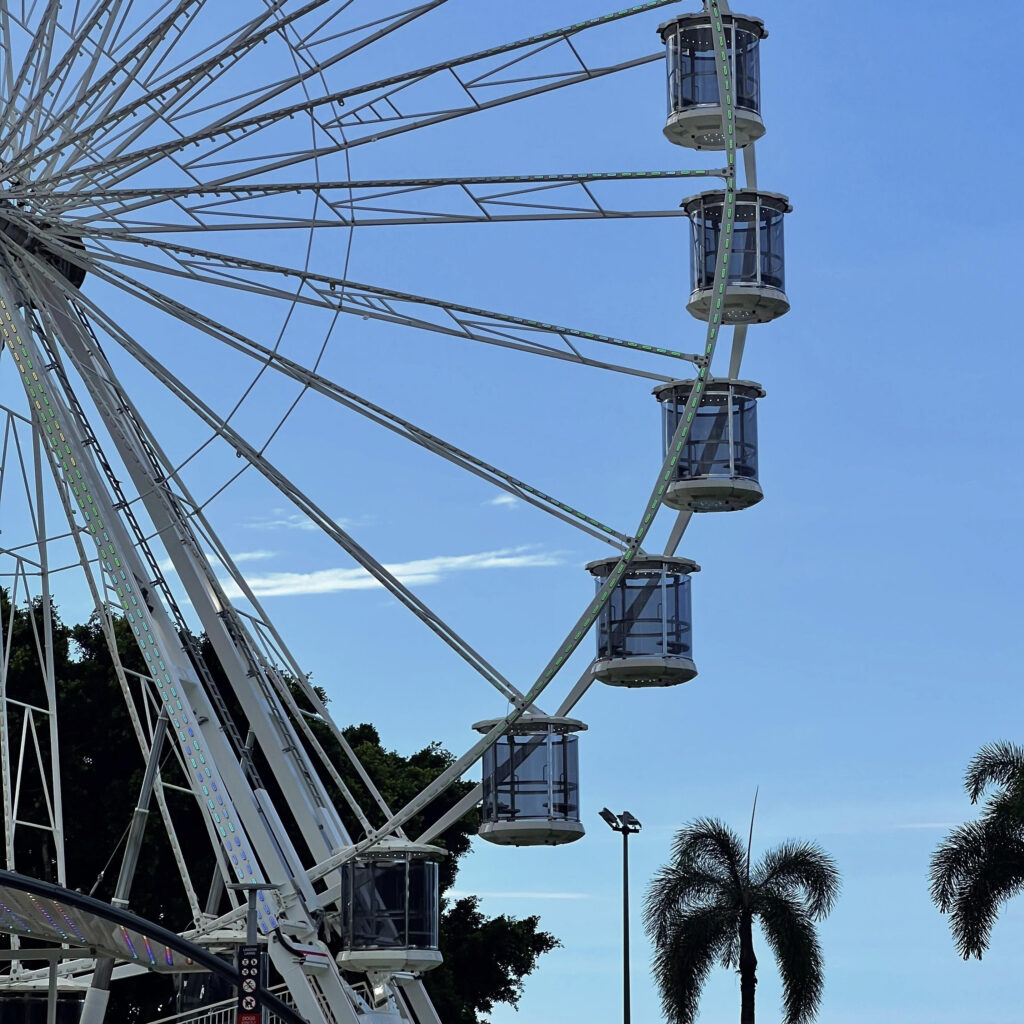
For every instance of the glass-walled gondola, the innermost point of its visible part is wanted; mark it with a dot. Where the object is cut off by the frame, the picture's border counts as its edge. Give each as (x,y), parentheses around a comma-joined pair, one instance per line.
(644,631)
(757,263)
(531,783)
(717,470)
(694,103)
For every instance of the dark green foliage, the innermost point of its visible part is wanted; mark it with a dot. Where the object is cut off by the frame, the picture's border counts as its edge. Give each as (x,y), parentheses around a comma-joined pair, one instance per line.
(980,865)
(485,961)
(102,768)
(700,910)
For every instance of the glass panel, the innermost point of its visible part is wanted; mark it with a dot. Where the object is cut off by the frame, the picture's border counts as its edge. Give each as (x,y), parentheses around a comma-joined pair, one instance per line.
(745,436)
(376,899)
(773,265)
(743,259)
(423,904)
(646,616)
(757,256)
(692,76)
(532,777)
(707,451)
(748,70)
(566,778)
(391,904)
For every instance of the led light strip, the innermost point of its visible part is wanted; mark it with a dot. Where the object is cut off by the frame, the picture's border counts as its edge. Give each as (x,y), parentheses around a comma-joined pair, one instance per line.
(219,811)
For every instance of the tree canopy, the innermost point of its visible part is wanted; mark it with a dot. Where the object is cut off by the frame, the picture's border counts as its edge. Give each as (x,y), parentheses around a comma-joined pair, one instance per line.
(486,958)
(980,865)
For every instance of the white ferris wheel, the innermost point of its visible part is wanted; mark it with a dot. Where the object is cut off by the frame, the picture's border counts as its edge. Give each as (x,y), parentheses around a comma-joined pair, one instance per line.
(179,170)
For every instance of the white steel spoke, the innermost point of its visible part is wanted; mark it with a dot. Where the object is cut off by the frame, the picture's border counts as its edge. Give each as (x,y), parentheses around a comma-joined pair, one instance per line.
(307,507)
(377,203)
(164,96)
(386,304)
(370,107)
(30,59)
(376,413)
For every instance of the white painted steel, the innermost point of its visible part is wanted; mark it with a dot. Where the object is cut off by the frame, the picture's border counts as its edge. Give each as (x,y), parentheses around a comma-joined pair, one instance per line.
(82,101)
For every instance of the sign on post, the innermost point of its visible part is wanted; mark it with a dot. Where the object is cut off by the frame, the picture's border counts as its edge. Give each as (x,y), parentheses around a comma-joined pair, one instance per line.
(250,967)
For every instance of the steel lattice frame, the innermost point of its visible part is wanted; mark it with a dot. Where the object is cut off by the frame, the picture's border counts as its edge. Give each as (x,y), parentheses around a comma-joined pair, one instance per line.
(96,99)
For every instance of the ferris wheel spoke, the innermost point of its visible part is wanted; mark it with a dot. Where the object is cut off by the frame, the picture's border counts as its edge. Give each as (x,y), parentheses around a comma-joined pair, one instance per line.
(372,203)
(368,302)
(93,94)
(171,99)
(90,90)
(321,40)
(365,119)
(78,38)
(369,121)
(305,505)
(7,55)
(376,413)
(373,302)
(127,71)
(77,43)
(38,44)
(232,200)
(93,119)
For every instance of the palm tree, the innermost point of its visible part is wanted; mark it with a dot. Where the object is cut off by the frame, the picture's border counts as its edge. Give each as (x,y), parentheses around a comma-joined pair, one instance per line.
(701,907)
(980,865)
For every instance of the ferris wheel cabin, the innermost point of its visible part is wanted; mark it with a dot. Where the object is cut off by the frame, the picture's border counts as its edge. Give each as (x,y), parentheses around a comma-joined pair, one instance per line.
(531,783)
(390,906)
(757,267)
(694,102)
(717,471)
(644,631)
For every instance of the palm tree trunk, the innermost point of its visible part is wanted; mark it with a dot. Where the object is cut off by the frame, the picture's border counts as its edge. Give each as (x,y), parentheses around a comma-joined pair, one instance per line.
(748,968)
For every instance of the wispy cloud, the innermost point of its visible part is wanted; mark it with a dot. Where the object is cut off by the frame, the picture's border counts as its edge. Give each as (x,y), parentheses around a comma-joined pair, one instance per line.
(252,556)
(282,519)
(420,572)
(503,501)
(459,894)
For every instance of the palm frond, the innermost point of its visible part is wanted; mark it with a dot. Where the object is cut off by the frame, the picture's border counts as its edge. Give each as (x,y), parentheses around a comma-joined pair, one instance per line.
(709,844)
(972,876)
(729,958)
(693,942)
(996,764)
(963,856)
(790,933)
(1006,806)
(800,867)
(679,888)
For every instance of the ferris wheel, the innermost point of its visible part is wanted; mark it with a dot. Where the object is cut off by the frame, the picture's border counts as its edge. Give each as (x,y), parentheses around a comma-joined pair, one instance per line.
(181,170)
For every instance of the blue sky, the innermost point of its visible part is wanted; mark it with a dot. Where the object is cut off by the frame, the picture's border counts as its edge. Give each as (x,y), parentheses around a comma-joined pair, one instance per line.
(856,633)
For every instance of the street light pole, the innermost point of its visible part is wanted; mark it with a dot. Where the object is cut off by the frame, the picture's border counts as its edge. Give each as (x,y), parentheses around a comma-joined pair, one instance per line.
(627,825)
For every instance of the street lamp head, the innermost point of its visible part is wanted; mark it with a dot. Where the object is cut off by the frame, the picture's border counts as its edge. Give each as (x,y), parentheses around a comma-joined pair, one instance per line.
(627,819)
(610,818)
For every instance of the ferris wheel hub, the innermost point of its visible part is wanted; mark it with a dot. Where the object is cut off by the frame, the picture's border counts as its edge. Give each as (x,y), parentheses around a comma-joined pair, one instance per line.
(24,240)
